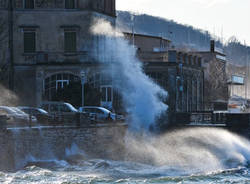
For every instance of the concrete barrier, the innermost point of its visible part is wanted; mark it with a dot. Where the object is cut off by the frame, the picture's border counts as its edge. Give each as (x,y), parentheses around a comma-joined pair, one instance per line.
(3,122)
(238,121)
(18,146)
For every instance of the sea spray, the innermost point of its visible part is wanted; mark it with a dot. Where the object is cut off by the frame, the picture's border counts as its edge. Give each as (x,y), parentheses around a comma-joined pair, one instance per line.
(192,150)
(142,98)
(7,97)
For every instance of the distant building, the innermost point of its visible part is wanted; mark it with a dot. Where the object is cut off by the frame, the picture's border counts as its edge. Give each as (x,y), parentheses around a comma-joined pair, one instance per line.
(180,73)
(215,85)
(49,43)
(148,43)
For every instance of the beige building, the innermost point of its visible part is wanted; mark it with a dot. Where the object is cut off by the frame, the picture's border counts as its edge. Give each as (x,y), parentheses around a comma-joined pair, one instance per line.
(179,72)
(238,82)
(215,79)
(50,45)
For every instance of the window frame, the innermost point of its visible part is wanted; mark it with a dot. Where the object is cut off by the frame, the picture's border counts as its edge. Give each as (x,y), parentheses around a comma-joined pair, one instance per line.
(108,97)
(75,5)
(25,51)
(24,4)
(75,46)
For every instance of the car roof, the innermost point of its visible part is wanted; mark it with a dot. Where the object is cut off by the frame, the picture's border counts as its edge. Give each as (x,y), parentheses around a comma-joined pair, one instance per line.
(53,102)
(32,108)
(95,107)
(12,110)
(8,109)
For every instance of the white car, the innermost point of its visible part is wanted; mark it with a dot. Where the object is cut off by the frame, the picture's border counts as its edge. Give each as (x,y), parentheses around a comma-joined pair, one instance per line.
(15,115)
(98,113)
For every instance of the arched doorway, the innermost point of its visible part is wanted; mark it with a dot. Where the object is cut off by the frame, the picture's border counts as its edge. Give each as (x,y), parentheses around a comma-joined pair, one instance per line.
(67,87)
(62,87)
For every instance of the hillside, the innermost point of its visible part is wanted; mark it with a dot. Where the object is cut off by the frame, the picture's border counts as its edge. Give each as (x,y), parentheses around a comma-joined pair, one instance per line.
(181,35)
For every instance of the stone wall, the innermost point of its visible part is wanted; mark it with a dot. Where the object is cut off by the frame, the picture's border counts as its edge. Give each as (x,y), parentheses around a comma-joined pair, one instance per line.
(18,147)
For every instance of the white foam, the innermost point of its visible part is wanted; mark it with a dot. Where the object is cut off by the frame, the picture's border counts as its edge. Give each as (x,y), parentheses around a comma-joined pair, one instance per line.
(141,96)
(194,150)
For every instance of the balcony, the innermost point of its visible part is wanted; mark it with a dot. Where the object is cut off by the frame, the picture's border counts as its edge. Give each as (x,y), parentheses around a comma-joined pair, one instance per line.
(57,57)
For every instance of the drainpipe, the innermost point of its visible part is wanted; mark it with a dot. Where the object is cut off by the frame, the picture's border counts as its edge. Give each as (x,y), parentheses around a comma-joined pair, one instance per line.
(11,56)
(203,90)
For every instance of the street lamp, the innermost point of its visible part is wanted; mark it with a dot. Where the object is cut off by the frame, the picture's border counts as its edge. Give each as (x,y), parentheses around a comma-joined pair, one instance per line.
(83,76)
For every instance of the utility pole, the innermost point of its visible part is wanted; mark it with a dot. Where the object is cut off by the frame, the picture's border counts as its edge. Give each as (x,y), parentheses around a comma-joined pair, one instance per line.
(11,56)
(246,72)
(247,67)
(83,78)
(133,27)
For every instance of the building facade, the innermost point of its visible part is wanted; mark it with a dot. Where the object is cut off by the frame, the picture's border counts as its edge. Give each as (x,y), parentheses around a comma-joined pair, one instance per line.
(50,45)
(216,86)
(179,73)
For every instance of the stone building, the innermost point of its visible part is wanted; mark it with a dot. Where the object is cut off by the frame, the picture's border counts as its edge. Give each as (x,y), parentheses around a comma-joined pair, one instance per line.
(180,73)
(49,46)
(215,85)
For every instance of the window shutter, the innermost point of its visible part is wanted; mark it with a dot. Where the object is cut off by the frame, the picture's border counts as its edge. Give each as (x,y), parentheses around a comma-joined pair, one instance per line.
(29,42)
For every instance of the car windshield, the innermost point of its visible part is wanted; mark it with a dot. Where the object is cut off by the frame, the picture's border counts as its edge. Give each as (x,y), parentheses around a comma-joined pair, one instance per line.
(18,111)
(73,109)
(96,110)
(42,111)
(8,110)
(104,110)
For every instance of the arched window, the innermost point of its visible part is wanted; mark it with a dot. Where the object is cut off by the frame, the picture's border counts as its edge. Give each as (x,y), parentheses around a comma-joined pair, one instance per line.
(56,82)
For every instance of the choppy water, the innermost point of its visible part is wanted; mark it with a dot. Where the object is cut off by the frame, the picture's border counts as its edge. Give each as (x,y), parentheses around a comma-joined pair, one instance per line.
(103,171)
(184,156)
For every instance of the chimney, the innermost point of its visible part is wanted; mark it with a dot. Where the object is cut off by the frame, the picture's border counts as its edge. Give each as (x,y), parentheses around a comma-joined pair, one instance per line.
(212,45)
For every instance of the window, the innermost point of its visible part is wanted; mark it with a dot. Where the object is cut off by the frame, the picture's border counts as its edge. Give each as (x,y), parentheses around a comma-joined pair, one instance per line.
(70,4)
(64,108)
(53,108)
(99,111)
(29,42)
(29,4)
(69,41)
(56,82)
(60,84)
(106,94)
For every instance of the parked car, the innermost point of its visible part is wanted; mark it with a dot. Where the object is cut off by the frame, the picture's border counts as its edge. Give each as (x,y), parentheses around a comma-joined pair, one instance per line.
(100,113)
(61,111)
(15,115)
(41,115)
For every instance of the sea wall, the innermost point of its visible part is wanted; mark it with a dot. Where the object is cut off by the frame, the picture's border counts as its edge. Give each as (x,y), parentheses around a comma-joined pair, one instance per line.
(20,146)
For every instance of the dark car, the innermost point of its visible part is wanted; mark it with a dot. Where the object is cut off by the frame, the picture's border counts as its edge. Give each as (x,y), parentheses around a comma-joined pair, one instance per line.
(41,115)
(63,112)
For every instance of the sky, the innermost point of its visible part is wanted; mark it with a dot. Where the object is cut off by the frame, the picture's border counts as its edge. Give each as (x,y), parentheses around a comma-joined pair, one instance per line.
(224,18)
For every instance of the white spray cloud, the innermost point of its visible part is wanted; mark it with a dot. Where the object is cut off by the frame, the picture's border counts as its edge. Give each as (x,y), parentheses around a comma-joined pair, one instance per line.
(191,150)
(7,97)
(139,93)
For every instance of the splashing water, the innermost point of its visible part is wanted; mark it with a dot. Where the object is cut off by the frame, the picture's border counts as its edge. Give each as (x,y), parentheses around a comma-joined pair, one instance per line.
(8,97)
(141,96)
(193,150)
(201,155)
